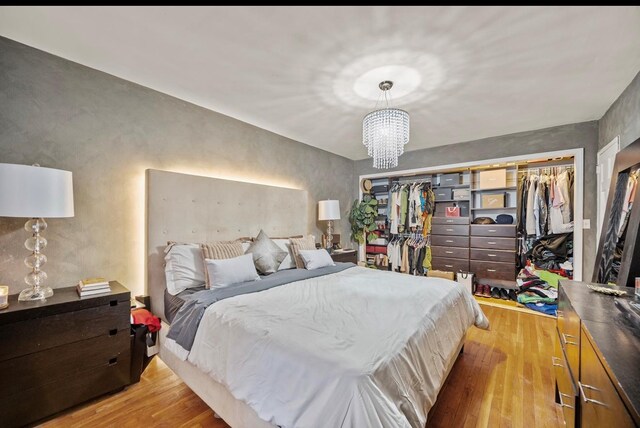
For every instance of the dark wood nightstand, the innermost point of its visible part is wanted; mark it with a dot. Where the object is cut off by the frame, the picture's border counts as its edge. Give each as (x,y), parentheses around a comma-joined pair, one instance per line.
(61,352)
(347,256)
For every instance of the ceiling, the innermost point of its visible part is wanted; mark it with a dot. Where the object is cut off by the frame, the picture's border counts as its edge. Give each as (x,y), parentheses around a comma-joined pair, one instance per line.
(311,73)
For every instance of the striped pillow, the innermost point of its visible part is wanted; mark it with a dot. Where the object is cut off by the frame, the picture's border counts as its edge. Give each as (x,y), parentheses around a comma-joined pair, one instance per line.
(220,250)
(297,244)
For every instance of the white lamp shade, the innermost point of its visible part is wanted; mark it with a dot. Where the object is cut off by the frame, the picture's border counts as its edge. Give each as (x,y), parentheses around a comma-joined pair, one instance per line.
(329,210)
(33,191)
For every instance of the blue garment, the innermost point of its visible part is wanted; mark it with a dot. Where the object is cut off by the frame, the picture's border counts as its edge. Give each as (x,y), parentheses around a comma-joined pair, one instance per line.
(544,308)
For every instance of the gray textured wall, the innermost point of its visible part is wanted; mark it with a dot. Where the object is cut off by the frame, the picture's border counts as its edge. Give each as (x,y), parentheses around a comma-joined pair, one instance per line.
(572,136)
(623,117)
(108,131)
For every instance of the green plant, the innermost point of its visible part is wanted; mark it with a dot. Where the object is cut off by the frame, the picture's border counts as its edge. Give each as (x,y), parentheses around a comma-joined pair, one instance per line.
(362,218)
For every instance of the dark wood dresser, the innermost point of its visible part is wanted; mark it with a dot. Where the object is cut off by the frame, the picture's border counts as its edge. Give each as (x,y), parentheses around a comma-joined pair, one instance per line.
(62,352)
(346,256)
(450,243)
(596,361)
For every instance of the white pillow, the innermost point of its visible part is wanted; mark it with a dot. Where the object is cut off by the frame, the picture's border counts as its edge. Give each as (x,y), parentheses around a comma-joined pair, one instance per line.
(225,272)
(183,268)
(289,261)
(314,259)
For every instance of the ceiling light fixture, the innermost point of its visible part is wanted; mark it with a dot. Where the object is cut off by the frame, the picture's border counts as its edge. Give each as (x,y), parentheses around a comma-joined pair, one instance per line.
(385,132)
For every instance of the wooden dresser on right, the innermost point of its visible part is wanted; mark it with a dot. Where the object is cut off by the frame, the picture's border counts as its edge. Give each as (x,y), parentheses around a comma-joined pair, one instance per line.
(596,360)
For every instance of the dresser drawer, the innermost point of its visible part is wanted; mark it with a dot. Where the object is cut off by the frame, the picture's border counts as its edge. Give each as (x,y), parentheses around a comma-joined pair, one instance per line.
(493,270)
(38,334)
(449,229)
(450,264)
(568,323)
(493,255)
(567,393)
(499,230)
(455,252)
(25,406)
(493,243)
(450,220)
(450,241)
(600,404)
(443,193)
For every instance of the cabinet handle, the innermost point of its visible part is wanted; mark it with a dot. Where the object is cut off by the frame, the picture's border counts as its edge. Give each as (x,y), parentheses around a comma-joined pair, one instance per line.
(492,230)
(113,332)
(449,252)
(562,402)
(449,221)
(448,241)
(568,342)
(491,255)
(491,242)
(582,387)
(491,270)
(449,266)
(449,230)
(554,363)
(113,361)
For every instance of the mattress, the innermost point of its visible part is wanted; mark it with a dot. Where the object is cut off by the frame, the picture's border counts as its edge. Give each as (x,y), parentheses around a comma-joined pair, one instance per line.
(173,303)
(355,348)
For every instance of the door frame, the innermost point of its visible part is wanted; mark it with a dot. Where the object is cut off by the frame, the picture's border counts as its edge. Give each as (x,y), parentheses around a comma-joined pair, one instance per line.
(614,142)
(578,192)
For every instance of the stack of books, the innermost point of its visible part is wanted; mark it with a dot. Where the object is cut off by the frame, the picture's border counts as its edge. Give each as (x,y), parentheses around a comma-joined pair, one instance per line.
(92,286)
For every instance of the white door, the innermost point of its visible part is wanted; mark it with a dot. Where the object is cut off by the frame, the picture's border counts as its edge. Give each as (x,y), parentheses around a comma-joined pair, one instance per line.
(604,168)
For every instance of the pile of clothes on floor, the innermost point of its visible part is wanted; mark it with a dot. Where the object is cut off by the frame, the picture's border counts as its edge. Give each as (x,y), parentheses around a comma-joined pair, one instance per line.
(552,252)
(538,290)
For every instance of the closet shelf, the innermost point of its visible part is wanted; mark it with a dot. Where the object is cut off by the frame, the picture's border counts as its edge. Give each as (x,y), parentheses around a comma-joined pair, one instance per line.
(451,200)
(450,186)
(493,209)
(496,189)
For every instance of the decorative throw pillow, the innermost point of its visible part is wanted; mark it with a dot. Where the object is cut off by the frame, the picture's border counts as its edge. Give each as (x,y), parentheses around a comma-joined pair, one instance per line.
(184,267)
(297,244)
(315,259)
(285,245)
(226,272)
(267,255)
(218,251)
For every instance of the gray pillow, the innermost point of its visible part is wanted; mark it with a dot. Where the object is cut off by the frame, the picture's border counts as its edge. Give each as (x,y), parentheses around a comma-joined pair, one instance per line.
(267,255)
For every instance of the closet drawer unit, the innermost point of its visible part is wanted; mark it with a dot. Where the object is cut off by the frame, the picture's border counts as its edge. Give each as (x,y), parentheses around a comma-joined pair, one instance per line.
(450,241)
(493,243)
(450,179)
(455,252)
(453,230)
(493,255)
(493,270)
(450,220)
(450,264)
(499,230)
(443,193)
(567,393)
(600,404)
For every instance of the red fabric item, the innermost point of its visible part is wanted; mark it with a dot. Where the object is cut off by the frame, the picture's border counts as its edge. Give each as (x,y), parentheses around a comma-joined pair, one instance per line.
(143,316)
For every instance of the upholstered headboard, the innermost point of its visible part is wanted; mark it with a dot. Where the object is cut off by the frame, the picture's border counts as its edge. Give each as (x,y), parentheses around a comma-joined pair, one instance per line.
(190,208)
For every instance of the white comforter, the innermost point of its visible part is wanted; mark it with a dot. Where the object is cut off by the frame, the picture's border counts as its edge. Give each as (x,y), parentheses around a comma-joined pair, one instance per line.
(358,348)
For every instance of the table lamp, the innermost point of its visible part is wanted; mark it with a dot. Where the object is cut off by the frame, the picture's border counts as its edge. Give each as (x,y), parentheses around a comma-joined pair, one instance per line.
(35,192)
(328,211)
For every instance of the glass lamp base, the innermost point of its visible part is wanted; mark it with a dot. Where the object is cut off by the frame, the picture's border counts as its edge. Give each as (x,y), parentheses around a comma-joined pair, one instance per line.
(32,294)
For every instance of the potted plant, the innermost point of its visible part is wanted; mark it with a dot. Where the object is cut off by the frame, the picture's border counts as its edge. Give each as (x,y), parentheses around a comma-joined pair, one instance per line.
(362,218)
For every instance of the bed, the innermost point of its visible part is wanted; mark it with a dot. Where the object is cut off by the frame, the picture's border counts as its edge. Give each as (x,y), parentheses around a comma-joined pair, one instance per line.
(347,347)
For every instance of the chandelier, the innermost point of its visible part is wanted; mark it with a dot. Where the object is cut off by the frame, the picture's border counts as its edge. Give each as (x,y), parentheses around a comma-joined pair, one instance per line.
(385,132)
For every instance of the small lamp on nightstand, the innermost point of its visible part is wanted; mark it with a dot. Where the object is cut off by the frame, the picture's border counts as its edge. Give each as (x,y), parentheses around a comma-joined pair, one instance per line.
(35,192)
(328,211)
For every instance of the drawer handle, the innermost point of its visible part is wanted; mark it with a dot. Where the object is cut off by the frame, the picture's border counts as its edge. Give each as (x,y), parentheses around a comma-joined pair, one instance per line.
(492,255)
(449,230)
(568,342)
(562,402)
(449,221)
(449,266)
(113,303)
(449,252)
(491,242)
(448,241)
(491,270)
(113,361)
(113,332)
(586,399)
(492,230)
(554,363)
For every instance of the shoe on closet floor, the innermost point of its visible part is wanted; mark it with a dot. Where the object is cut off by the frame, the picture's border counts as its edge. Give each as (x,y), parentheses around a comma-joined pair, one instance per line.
(495,293)
(513,296)
(504,294)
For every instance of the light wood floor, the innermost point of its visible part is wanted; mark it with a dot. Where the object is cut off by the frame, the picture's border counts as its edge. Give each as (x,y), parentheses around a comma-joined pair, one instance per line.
(503,379)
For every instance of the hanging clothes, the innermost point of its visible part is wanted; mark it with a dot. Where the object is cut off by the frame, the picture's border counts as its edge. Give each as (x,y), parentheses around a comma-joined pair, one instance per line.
(531,197)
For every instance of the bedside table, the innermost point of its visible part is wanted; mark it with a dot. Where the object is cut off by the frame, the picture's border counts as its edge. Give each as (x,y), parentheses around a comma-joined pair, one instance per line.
(61,352)
(345,256)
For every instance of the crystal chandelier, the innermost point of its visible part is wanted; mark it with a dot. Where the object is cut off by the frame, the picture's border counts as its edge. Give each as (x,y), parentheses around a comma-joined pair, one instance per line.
(385,132)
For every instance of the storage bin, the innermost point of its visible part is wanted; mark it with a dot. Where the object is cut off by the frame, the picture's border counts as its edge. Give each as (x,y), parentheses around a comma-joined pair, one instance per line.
(450,179)
(493,200)
(382,188)
(493,179)
(442,193)
(461,194)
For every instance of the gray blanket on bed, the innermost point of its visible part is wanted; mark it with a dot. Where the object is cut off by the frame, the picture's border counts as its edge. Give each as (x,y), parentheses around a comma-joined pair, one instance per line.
(185,324)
